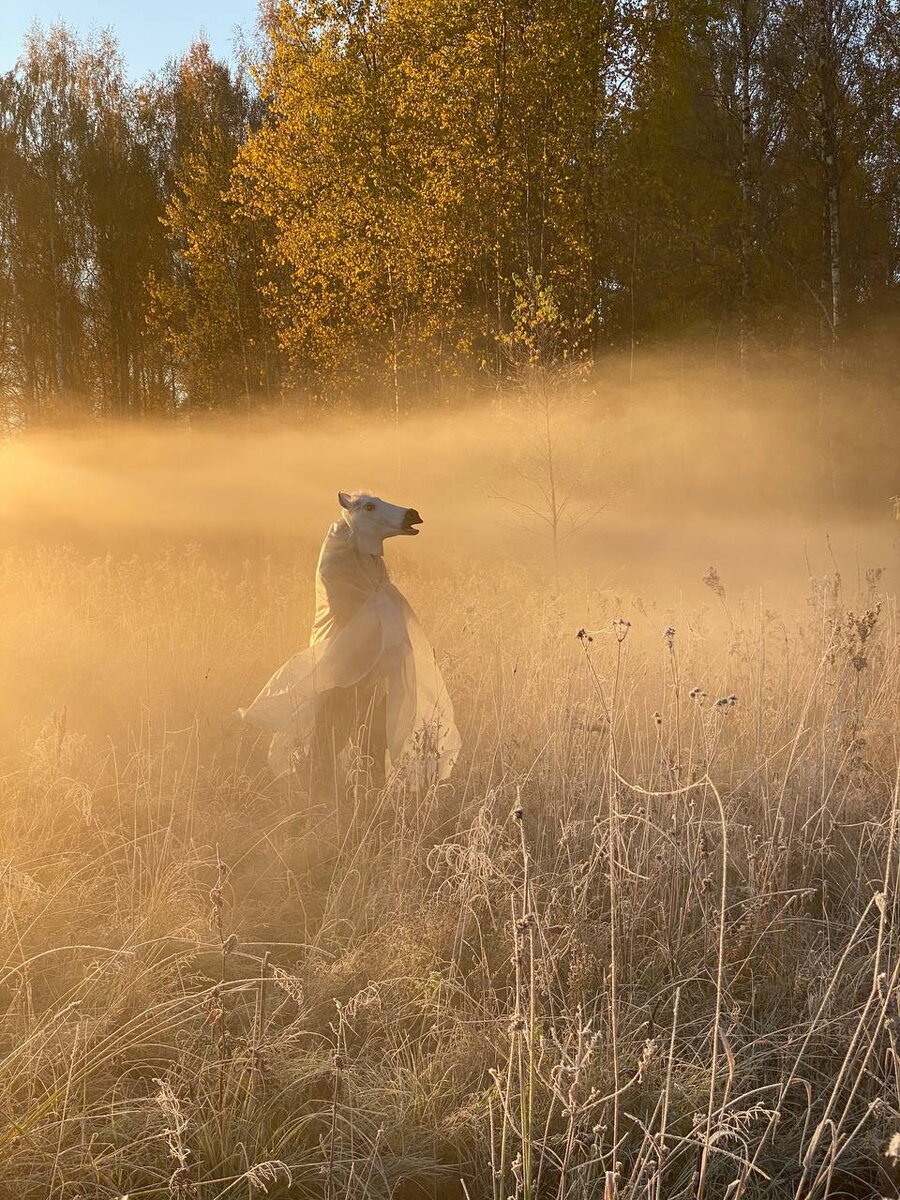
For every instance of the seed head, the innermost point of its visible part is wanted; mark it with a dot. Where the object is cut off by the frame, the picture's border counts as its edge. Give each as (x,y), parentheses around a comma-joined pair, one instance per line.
(714,583)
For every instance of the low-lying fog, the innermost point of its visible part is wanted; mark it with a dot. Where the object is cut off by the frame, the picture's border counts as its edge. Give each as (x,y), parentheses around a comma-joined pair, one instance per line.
(660,480)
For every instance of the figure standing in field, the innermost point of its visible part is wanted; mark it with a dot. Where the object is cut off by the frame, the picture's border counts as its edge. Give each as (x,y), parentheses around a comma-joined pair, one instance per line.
(369,672)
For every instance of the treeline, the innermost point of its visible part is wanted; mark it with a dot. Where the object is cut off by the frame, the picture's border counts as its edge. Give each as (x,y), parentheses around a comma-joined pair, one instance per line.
(374,200)
(129,282)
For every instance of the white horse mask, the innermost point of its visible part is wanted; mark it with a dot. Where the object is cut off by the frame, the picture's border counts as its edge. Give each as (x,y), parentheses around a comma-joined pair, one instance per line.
(372,520)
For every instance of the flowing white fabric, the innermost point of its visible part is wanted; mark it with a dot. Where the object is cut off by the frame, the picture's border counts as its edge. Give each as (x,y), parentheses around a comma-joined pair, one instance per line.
(364,632)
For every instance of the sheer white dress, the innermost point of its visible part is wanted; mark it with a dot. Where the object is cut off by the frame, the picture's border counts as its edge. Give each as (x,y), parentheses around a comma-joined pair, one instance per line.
(364,632)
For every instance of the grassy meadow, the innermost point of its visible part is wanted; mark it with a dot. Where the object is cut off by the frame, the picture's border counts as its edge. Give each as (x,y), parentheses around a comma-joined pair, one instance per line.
(644,944)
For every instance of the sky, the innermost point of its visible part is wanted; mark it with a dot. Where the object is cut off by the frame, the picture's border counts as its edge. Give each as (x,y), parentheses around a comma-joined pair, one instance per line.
(149,31)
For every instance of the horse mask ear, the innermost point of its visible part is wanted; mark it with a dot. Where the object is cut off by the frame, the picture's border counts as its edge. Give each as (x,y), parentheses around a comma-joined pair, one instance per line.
(343,500)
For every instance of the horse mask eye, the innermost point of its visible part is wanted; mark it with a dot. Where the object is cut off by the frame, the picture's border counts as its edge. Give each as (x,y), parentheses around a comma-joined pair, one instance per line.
(370,508)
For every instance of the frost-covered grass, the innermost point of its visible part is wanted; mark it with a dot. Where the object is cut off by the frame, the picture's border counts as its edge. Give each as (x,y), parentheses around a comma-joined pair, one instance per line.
(644,944)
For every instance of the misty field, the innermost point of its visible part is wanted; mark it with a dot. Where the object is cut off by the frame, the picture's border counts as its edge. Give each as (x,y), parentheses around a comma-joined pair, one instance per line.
(643,944)
(609,293)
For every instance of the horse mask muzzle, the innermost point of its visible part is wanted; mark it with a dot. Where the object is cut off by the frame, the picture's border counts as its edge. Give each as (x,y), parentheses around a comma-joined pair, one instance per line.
(410,521)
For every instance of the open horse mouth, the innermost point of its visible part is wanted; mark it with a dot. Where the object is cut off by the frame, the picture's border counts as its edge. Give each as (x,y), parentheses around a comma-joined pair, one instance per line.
(411,519)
